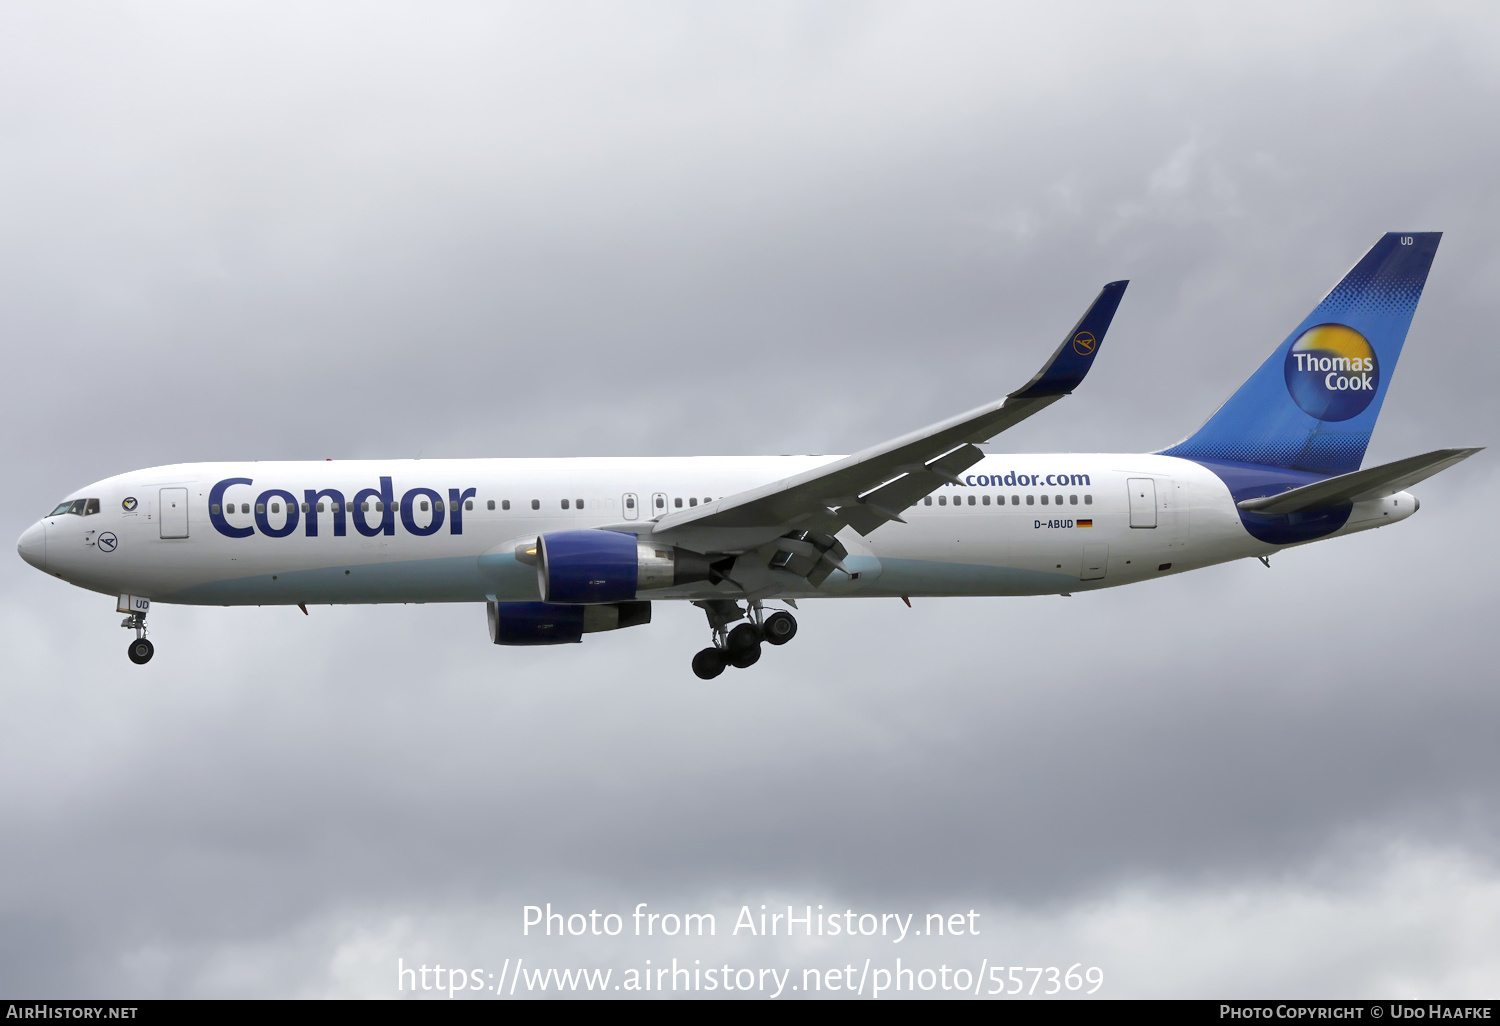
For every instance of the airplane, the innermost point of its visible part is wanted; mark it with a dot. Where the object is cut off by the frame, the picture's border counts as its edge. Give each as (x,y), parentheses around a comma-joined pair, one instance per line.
(560,548)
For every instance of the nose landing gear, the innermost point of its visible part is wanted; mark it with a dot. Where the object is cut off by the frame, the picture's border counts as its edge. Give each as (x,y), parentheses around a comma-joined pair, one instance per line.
(140,650)
(740,647)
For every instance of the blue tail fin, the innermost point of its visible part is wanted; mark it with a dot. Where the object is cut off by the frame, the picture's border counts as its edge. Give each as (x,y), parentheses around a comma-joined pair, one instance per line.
(1313,404)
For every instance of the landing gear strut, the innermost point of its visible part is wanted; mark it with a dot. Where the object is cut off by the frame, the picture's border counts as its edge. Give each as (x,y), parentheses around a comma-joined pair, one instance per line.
(140,650)
(740,647)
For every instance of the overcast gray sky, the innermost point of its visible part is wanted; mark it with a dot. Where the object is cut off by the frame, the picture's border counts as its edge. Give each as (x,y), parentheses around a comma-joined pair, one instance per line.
(297,231)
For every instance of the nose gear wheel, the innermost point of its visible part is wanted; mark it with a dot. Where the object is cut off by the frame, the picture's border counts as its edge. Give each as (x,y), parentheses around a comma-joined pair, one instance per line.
(140,650)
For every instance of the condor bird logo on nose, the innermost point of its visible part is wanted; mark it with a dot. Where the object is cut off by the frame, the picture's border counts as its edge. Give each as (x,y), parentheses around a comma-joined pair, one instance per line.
(107,542)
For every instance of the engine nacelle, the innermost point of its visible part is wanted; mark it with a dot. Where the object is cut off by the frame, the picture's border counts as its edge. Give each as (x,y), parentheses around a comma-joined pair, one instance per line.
(546,623)
(608,566)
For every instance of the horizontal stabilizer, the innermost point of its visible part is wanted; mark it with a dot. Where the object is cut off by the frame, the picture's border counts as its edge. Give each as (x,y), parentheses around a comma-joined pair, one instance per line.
(1373,483)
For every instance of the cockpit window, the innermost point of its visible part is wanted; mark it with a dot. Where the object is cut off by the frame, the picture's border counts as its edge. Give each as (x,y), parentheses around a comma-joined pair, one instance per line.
(78,507)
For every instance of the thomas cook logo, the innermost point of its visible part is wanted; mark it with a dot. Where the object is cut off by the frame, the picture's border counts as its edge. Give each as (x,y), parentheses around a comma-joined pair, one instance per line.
(1331,372)
(1084,343)
(129,504)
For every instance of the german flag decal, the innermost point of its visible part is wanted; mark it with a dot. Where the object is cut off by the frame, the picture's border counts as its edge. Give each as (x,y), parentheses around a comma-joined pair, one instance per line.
(1085,523)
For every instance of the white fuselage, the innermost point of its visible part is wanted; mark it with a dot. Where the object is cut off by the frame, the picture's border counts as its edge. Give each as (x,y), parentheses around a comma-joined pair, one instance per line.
(1021,525)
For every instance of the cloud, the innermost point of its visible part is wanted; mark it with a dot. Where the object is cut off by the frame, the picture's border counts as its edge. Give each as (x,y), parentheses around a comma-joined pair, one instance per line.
(1398,922)
(364,231)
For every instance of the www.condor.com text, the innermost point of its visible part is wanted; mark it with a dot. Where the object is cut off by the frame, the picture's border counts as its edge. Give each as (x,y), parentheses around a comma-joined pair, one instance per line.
(867,979)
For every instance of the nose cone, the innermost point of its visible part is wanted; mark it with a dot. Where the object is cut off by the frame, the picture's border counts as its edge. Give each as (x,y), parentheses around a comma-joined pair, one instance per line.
(33,545)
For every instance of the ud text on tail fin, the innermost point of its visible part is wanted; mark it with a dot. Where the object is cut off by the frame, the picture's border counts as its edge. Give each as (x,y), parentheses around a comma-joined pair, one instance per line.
(1313,404)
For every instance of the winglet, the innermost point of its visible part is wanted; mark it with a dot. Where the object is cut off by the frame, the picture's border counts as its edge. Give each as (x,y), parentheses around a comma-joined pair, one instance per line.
(1072,360)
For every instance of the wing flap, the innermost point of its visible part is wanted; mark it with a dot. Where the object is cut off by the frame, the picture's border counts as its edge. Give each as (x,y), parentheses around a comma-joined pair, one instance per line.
(1371,483)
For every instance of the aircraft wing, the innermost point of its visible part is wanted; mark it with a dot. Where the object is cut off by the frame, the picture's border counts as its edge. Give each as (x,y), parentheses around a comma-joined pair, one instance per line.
(1371,483)
(871,488)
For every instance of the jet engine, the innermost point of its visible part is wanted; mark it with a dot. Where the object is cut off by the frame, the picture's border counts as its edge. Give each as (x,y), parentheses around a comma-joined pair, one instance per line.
(607,566)
(546,623)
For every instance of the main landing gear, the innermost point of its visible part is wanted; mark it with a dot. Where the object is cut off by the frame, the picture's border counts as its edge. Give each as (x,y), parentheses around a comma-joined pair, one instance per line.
(740,647)
(140,650)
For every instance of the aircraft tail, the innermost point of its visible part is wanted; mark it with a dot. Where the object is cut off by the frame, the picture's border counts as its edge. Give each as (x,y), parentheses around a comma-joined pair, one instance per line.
(1313,404)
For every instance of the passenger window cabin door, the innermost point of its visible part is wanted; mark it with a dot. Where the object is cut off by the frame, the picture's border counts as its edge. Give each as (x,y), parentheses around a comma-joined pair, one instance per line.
(631,506)
(1142,501)
(173,509)
(658,504)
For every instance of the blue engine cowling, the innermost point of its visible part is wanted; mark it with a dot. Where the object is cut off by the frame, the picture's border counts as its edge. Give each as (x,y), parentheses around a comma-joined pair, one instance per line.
(587,566)
(608,566)
(547,623)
